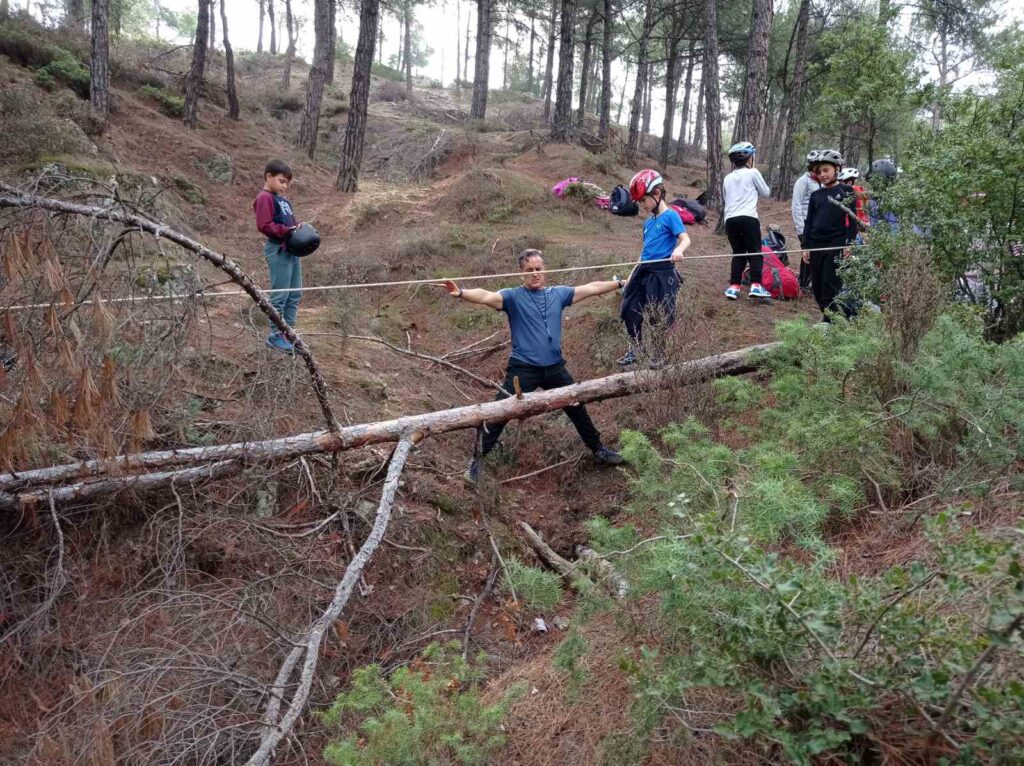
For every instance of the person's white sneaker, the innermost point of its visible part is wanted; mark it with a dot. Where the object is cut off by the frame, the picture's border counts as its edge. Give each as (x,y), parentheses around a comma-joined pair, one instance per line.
(756,291)
(732,292)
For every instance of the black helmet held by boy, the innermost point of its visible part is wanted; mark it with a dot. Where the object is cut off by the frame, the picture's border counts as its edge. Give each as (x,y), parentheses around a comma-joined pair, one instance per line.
(884,167)
(303,240)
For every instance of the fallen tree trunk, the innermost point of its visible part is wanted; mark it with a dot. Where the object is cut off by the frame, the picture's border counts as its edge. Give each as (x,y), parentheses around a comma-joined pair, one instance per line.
(94,478)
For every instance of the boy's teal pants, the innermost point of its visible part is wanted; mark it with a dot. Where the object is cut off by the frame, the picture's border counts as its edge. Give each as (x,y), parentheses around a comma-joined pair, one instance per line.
(285,274)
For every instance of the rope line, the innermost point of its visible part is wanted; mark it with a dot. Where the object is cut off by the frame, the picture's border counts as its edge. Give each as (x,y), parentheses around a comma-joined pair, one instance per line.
(407,282)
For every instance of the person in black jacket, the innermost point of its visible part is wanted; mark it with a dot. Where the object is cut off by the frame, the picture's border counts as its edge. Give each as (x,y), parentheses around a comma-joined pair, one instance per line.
(828,232)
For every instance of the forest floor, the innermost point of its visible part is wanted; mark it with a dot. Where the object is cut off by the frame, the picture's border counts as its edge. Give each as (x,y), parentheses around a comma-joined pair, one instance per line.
(485,200)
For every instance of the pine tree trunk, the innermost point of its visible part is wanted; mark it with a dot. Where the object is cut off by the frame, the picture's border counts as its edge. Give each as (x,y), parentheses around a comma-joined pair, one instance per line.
(309,128)
(73,19)
(289,54)
(99,84)
(588,46)
(194,79)
(407,45)
(605,109)
(791,104)
(533,41)
(699,125)
(684,117)
(380,45)
(229,63)
(636,109)
(622,95)
(273,28)
(213,26)
(263,13)
(465,46)
(671,86)
(943,66)
(5,9)
(751,109)
(355,129)
(332,56)
(458,53)
(484,8)
(645,129)
(549,70)
(504,59)
(562,122)
(713,106)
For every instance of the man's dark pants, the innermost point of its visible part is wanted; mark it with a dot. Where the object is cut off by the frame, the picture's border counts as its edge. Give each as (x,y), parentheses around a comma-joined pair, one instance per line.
(531,377)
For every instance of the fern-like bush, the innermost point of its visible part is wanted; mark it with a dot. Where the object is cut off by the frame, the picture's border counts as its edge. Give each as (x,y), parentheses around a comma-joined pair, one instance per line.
(535,588)
(425,714)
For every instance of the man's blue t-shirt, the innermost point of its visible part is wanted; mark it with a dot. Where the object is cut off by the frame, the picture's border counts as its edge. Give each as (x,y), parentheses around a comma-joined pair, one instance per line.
(660,235)
(535,319)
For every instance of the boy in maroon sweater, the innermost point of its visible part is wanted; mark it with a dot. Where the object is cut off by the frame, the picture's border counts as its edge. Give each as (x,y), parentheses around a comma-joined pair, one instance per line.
(276,221)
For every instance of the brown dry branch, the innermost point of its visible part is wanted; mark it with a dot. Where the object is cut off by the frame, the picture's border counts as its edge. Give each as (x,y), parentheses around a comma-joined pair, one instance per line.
(97,478)
(12,197)
(275,730)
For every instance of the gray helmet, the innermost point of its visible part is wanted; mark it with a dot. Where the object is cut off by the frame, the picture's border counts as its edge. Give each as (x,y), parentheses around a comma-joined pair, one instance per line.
(884,167)
(813,156)
(831,156)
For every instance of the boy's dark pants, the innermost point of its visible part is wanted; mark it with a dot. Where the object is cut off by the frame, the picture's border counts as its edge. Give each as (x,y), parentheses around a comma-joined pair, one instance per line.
(826,282)
(531,377)
(650,288)
(805,268)
(744,233)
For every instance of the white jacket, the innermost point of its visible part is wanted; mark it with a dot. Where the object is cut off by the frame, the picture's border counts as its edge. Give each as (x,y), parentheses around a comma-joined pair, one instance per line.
(804,187)
(742,188)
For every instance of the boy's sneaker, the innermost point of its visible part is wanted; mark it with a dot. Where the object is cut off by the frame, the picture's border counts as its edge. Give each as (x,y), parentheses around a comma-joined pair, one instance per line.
(472,472)
(757,291)
(732,292)
(278,342)
(605,456)
(628,360)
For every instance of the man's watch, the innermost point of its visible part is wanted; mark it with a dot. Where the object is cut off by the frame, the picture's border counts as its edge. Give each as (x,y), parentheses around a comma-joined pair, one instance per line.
(621,282)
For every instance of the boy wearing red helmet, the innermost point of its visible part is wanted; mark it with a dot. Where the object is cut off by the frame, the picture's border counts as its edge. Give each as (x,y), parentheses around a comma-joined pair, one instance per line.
(653,284)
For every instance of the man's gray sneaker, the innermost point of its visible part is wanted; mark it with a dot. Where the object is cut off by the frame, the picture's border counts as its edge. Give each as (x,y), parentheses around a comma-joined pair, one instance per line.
(605,456)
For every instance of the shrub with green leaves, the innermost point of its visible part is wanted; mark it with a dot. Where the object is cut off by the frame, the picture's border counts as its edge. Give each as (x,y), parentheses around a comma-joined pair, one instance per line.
(171,104)
(427,713)
(534,587)
(808,666)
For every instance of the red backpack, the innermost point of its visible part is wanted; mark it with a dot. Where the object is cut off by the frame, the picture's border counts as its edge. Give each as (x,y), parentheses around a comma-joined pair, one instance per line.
(685,214)
(776,277)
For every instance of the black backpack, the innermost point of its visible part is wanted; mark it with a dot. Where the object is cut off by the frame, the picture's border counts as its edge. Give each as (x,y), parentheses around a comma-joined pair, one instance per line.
(700,213)
(620,202)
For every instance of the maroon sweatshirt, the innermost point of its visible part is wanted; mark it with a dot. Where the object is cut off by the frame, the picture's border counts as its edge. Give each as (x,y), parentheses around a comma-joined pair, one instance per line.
(274,216)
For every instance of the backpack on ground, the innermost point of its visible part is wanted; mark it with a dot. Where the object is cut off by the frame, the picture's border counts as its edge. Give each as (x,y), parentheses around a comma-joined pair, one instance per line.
(684,214)
(621,204)
(697,210)
(776,241)
(776,277)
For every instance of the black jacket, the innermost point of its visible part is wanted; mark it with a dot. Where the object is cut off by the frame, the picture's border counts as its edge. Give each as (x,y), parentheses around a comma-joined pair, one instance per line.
(826,224)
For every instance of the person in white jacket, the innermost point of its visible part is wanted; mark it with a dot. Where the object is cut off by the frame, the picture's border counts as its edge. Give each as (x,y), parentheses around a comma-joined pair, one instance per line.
(742,188)
(804,187)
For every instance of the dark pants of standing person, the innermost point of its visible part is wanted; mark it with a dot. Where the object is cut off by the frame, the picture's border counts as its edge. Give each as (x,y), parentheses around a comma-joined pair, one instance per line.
(531,377)
(744,233)
(805,268)
(651,290)
(826,282)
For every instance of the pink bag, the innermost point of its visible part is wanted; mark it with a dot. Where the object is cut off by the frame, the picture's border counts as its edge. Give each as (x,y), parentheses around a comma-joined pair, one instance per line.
(559,188)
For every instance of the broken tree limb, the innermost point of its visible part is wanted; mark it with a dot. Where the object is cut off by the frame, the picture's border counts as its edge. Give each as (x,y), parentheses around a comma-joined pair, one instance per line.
(547,554)
(96,478)
(575,571)
(850,212)
(276,731)
(11,197)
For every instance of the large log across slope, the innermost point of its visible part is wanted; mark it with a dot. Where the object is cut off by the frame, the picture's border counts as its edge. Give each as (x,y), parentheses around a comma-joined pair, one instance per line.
(150,470)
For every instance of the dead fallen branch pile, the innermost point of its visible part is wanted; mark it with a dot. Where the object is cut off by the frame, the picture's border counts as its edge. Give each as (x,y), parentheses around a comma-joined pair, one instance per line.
(76,482)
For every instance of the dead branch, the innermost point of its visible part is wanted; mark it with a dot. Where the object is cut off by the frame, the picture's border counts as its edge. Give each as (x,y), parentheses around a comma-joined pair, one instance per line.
(96,478)
(275,731)
(492,577)
(547,554)
(11,197)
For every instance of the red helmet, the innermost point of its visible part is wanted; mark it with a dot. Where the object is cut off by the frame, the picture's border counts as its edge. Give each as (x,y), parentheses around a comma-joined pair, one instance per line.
(643,183)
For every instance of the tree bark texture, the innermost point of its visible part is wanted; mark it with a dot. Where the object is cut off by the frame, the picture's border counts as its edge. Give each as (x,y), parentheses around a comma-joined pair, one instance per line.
(407,45)
(309,128)
(549,68)
(484,27)
(530,74)
(751,109)
(359,98)
(792,103)
(99,77)
(645,126)
(671,86)
(561,125)
(213,26)
(74,18)
(10,197)
(194,79)
(698,123)
(684,117)
(263,14)
(604,120)
(89,479)
(713,106)
(332,28)
(229,64)
(289,53)
(636,109)
(588,47)
(465,45)
(273,27)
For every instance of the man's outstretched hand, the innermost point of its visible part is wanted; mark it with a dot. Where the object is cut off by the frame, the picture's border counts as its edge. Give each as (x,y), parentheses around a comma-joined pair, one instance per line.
(451,288)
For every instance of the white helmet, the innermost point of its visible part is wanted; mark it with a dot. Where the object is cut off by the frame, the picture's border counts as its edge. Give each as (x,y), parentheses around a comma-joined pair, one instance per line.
(848,174)
(742,151)
(831,156)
